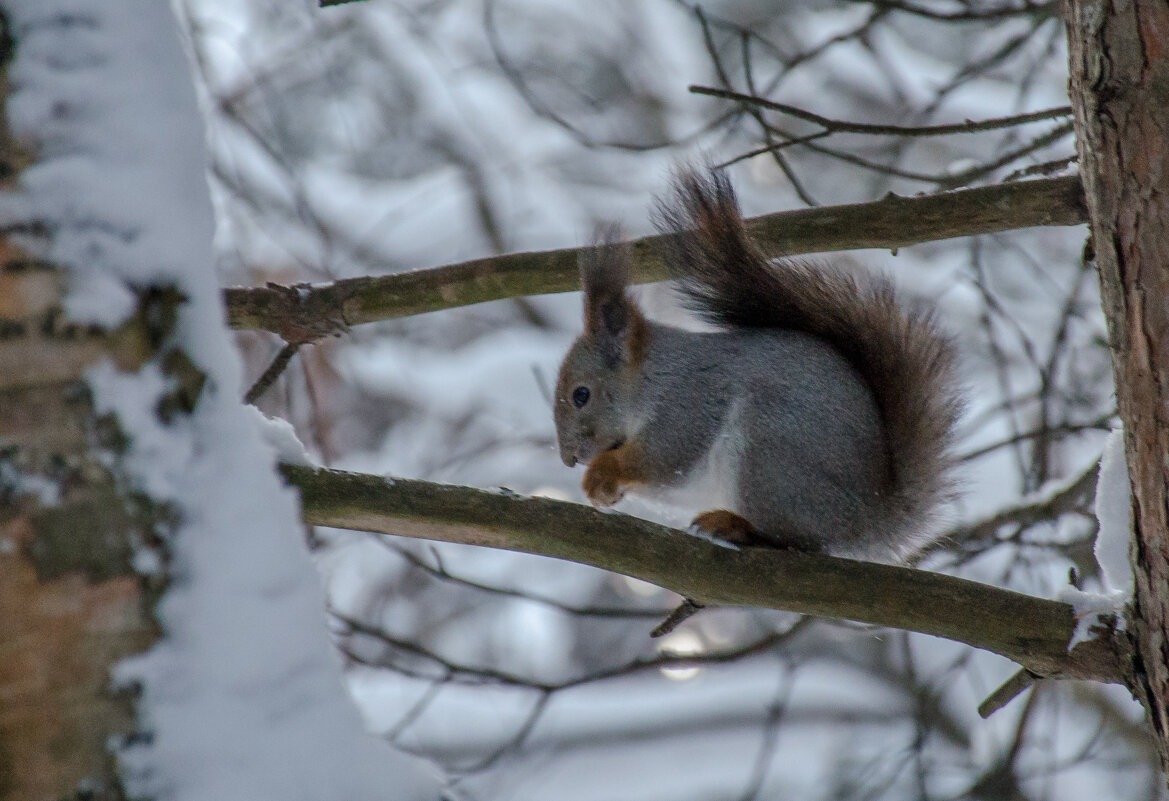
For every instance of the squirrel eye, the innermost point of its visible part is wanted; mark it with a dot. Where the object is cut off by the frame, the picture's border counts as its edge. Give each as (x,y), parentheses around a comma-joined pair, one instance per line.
(580,396)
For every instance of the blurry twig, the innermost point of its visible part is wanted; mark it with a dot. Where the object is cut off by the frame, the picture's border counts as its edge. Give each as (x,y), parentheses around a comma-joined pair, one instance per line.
(1076,495)
(460,673)
(766,751)
(1102,423)
(438,571)
(778,157)
(844,126)
(269,376)
(1028,8)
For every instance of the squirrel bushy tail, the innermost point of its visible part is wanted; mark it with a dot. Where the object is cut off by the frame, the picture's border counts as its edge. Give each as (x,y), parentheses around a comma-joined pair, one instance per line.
(901,354)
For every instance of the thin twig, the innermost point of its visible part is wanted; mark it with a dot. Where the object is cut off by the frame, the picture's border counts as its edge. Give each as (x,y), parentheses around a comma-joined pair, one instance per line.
(460,673)
(844,126)
(269,376)
(990,14)
(1046,168)
(1102,423)
(771,148)
(766,751)
(1007,692)
(979,171)
(684,611)
(781,162)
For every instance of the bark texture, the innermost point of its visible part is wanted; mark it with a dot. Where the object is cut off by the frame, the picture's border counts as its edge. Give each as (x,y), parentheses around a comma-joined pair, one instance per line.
(1032,631)
(71,603)
(306,313)
(1119,57)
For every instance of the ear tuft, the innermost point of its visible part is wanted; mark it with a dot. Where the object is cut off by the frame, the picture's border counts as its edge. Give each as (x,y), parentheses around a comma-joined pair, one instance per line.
(604,274)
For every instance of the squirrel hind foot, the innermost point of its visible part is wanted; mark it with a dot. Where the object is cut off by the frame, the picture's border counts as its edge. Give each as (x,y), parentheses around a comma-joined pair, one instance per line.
(725,525)
(734,529)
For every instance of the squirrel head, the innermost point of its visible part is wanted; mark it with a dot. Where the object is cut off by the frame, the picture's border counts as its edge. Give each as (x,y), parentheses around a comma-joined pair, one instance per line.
(596,391)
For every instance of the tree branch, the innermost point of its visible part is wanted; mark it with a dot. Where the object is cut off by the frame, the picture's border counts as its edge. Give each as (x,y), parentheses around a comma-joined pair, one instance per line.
(305,313)
(1031,631)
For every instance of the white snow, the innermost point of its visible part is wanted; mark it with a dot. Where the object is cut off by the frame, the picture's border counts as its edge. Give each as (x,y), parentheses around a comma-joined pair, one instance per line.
(242,696)
(1114,512)
(703,534)
(98,298)
(1093,609)
(281,437)
(1113,540)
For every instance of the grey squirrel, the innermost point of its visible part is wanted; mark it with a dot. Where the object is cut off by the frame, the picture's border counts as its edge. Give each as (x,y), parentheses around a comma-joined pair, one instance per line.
(819,416)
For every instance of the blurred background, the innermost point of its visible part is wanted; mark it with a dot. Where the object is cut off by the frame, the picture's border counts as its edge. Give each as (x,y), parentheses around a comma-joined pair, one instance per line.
(382,136)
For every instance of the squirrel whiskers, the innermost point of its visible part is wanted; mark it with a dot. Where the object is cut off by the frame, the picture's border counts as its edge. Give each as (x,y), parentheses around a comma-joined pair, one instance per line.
(819,416)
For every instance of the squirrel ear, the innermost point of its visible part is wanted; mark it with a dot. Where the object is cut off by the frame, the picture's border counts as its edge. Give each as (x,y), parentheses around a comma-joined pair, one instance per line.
(604,274)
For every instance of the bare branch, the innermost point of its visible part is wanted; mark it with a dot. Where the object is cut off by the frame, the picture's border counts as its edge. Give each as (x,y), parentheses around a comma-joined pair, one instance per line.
(1031,631)
(1030,9)
(844,126)
(305,313)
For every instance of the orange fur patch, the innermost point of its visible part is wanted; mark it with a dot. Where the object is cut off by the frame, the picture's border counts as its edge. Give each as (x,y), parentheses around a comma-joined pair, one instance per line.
(612,472)
(725,525)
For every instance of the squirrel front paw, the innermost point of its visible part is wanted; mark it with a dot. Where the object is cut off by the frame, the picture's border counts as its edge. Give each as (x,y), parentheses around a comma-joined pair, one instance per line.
(602,481)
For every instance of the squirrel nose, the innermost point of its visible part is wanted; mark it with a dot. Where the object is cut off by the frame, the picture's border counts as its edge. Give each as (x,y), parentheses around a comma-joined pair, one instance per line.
(567,453)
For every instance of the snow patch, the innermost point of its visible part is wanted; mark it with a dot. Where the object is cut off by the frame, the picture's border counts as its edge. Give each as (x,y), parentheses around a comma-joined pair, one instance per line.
(1114,512)
(96,298)
(703,534)
(242,697)
(281,437)
(1113,541)
(1092,609)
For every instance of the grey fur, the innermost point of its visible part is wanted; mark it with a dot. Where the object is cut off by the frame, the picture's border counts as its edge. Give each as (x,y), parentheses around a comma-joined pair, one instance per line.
(775,395)
(826,410)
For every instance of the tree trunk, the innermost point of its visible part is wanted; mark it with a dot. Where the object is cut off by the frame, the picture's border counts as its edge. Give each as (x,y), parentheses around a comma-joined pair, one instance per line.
(71,603)
(1119,55)
(126,458)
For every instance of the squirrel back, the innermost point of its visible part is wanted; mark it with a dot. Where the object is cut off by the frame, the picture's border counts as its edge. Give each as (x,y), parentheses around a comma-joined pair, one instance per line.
(901,355)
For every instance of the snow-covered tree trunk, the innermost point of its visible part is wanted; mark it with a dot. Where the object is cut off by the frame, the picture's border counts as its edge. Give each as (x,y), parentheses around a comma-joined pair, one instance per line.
(1120,90)
(162,629)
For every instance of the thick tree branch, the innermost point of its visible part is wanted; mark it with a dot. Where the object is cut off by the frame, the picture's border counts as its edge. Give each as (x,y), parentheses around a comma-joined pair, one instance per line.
(1031,631)
(306,313)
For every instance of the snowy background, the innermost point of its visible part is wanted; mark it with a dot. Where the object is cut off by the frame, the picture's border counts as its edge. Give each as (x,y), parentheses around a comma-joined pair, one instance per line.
(386,136)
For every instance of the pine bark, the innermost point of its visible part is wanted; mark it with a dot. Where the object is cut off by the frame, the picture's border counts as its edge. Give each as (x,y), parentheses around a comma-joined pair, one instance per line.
(1119,65)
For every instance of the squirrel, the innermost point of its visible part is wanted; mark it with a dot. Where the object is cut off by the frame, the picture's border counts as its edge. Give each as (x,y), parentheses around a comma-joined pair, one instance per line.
(823,411)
